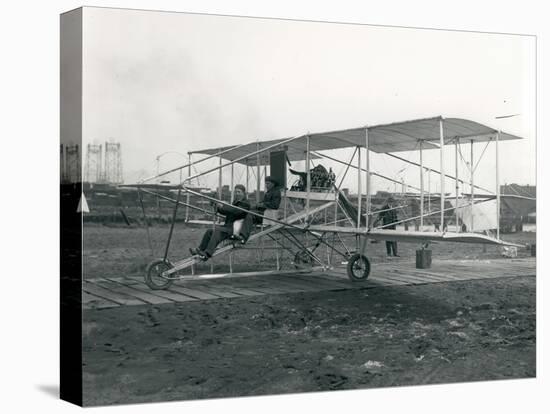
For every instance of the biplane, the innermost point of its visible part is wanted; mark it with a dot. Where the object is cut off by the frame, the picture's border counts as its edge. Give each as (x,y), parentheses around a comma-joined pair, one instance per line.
(317,212)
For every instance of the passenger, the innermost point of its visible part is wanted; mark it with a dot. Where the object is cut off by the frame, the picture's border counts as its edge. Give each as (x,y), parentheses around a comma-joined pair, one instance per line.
(267,207)
(388,216)
(212,238)
(272,197)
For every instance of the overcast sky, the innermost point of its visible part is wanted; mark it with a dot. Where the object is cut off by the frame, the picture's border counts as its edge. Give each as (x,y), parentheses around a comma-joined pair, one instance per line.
(159,82)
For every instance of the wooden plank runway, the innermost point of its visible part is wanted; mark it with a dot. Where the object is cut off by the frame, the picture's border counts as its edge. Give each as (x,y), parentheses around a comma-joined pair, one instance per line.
(111,292)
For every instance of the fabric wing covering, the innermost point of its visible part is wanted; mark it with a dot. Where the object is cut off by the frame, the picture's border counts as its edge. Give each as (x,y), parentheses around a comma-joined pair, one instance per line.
(395,137)
(483,214)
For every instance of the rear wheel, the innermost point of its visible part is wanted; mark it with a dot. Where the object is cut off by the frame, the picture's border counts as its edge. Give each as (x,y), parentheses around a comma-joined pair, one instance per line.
(358,268)
(154,278)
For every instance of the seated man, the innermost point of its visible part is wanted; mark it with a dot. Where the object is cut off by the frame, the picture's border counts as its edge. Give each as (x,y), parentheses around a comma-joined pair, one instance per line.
(268,206)
(212,238)
(272,197)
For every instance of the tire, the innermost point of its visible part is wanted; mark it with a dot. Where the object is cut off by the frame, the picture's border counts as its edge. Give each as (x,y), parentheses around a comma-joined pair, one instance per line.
(153,277)
(358,268)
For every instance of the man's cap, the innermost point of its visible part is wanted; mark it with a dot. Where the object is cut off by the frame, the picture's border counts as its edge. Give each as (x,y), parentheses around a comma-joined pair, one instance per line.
(240,187)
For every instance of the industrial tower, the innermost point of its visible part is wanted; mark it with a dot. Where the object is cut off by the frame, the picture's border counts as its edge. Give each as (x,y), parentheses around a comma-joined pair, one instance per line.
(104,169)
(113,163)
(93,163)
(70,164)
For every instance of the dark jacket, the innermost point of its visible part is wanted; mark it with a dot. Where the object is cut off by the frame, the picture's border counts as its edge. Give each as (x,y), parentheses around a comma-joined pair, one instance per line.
(388,216)
(272,200)
(231,214)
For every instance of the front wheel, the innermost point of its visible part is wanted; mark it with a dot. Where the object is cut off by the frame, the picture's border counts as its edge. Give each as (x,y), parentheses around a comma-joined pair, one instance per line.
(358,268)
(154,278)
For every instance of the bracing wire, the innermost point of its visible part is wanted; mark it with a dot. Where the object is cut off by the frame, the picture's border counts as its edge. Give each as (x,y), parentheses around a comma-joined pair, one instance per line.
(399,174)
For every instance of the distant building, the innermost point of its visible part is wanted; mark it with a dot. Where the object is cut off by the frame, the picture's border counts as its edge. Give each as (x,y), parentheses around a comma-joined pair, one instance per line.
(519,208)
(519,190)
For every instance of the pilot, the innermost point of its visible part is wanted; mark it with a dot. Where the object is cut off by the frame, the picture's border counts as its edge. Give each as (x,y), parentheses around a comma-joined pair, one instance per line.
(212,238)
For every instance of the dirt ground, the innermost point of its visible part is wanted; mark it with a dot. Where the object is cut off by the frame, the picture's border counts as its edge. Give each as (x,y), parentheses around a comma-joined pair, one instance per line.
(377,337)
(408,335)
